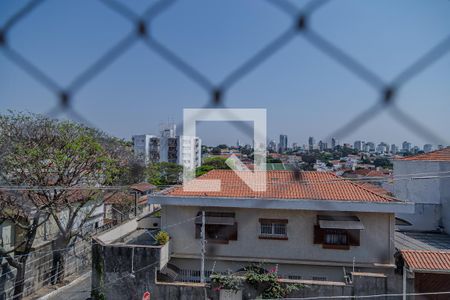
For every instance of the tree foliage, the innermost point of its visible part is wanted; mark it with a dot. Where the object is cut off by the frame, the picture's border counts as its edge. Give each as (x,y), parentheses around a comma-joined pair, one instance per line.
(62,164)
(212,163)
(164,173)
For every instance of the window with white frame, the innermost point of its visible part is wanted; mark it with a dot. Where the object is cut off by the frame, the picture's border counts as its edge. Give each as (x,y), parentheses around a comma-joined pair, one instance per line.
(273,228)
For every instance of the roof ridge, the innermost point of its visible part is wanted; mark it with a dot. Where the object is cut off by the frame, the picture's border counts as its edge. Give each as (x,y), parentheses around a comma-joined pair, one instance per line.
(422,155)
(373,192)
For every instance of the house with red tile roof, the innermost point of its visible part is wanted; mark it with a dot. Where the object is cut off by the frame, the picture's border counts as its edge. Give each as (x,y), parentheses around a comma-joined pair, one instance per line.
(425,180)
(308,225)
(426,271)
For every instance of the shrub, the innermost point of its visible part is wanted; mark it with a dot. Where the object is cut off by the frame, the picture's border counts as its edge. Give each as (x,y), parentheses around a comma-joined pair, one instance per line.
(267,283)
(162,237)
(226,282)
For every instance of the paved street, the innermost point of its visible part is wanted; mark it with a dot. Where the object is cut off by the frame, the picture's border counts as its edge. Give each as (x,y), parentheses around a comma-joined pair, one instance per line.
(79,290)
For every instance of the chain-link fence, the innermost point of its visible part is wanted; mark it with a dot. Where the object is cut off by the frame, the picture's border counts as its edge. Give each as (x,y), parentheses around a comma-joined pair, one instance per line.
(301,28)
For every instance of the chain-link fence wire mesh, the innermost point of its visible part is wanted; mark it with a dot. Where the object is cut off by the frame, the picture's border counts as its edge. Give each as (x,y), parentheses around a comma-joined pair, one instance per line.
(301,28)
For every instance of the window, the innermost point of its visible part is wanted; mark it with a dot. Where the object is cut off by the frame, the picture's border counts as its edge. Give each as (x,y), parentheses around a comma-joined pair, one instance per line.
(273,229)
(337,232)
(335,237)
(295,277)
(319,278)
(220,227)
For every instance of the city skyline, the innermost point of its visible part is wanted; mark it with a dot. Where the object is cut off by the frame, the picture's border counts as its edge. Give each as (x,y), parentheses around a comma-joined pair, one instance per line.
(299,86)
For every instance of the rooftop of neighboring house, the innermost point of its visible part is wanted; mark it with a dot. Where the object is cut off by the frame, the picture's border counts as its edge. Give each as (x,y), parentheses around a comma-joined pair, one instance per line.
(138,237)
(426,261)
(375,188)
(310,185)
(417,240)
(142,187)
(365,172)
(118,198)
(438,155)
(123,198)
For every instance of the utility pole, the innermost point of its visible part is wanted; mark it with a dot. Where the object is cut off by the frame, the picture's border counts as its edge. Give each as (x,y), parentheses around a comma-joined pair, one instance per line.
(404,282)
(135,204)
(202,268)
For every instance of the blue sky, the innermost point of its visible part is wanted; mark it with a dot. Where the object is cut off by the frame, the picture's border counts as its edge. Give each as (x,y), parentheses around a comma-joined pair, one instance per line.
(304,91)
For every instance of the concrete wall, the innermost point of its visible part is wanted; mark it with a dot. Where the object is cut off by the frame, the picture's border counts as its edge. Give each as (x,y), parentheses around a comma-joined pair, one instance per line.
(362,285)
(39,266)
(376,239)
(115,275)
(424,183)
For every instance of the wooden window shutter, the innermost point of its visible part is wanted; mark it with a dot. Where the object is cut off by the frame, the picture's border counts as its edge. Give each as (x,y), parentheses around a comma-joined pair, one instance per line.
(353,237)
(198,229)
(318,234)
(233,232)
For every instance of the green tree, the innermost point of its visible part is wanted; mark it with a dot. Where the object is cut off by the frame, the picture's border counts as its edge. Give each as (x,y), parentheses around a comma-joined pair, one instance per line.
(164,173)
(211,163)
(382,162)
(68,162)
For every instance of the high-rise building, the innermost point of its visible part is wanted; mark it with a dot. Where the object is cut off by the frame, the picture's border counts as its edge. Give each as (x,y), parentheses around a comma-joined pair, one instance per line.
(358,145)
(427,148)
(406,146)
(382,148)
(311,143)
(168,147)
(333,143)
(282,146)
(295,146)
(369,147)
(272,146)
(394,149)
(415,149)
(154,149)
(141,147)
(182,150)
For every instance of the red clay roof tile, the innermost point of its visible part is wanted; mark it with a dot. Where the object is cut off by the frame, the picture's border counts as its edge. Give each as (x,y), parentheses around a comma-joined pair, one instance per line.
(438,155)
(289,185)
(427,260)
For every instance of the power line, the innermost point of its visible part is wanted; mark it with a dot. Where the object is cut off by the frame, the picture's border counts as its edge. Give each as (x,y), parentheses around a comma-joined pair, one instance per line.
(367,296)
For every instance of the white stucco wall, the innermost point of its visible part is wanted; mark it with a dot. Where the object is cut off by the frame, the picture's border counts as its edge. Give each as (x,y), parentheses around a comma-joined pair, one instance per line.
(376,239)
(427,184)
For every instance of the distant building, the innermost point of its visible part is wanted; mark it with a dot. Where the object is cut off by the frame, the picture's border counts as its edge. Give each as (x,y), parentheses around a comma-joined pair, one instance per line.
(168,147)
(295,146)
(320,145)
(272,146)
(141,147)
(415,149)
(369,147)
(427,148)
(440,147)
(311,143)
(382,148)
(394,149)
(358,145)
(282,146)
(406,146)
(182,150)
(333,143)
